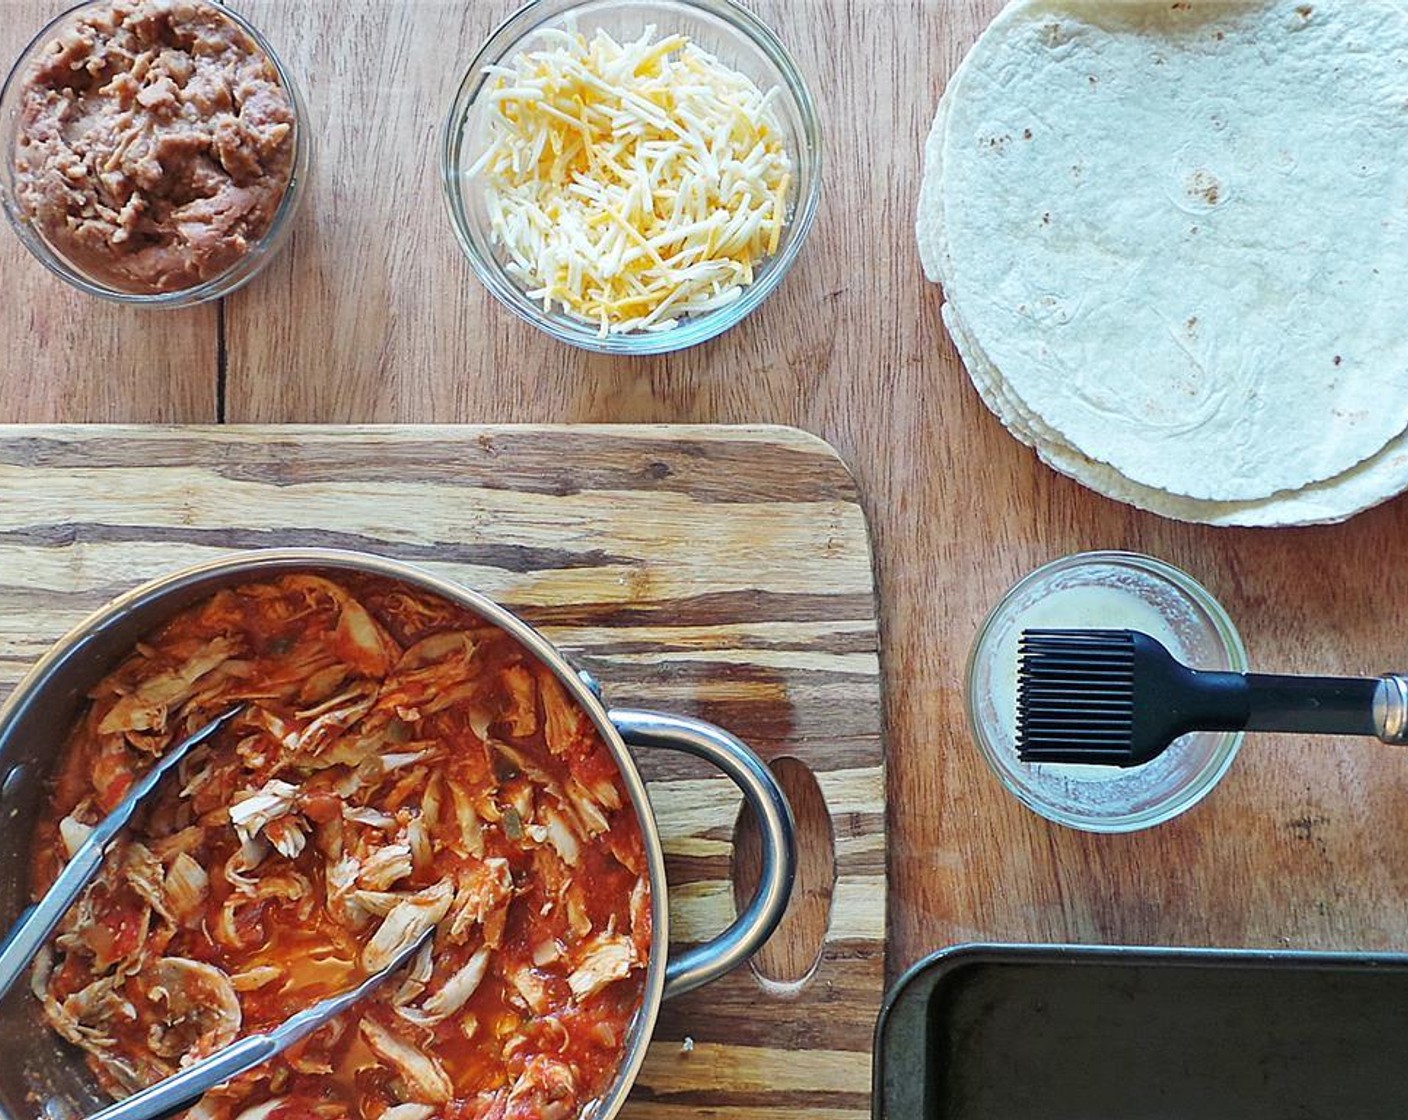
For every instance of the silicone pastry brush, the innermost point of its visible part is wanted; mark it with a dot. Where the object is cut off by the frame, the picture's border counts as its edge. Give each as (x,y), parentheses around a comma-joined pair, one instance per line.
(1119,698)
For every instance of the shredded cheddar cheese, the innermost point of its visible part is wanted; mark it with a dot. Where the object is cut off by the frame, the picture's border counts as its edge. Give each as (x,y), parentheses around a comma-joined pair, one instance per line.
(631,185)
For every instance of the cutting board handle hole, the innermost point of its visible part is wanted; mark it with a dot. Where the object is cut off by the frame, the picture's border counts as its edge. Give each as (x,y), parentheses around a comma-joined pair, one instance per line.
(791,958)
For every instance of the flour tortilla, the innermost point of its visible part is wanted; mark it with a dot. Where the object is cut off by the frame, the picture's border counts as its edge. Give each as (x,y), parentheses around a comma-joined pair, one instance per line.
(1369,484)
(1365,486)
(933,253)
(1201,364)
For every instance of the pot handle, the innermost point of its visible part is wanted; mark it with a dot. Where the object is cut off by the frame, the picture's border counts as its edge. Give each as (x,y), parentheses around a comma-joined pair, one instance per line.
(707,962)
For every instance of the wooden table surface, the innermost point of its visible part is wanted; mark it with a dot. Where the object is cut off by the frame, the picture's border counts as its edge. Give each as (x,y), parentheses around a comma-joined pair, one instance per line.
(371,314)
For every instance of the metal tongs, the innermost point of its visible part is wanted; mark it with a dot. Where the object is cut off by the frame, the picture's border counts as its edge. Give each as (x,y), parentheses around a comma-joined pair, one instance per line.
(182,1089)
(174,1093)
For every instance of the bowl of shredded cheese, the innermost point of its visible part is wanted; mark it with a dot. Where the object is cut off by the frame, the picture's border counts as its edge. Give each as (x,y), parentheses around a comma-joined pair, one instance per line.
(632,176)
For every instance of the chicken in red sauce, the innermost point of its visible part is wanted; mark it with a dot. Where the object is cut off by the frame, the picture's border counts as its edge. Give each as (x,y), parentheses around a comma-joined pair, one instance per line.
(400,764)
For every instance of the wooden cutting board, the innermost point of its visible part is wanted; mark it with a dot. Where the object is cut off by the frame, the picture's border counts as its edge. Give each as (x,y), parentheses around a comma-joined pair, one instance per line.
(717,572)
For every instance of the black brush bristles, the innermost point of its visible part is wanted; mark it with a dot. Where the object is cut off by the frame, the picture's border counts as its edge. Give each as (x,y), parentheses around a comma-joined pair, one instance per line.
(1076,697)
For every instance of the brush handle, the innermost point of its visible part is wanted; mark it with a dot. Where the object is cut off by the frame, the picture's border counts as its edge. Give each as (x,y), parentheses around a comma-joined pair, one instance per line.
(1310,705)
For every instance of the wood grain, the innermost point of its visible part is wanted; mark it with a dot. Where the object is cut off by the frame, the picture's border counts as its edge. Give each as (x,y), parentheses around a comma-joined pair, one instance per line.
(723,573)
(70,357)
(1298,848)
(371,316)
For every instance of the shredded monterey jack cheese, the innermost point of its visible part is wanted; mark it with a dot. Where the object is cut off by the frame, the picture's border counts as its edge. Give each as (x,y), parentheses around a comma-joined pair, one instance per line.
(631,185)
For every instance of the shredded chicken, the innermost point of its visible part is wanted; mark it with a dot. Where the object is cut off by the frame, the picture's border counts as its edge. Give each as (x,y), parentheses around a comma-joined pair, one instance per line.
(560,835)
(408,1112)
(417,977)
(480,892)
(578,920)
(406,922)
(255,978)
(251,812)
(198,1009)
(521,717)
(287,835)
(567,723)
(147,707)
(267,811)
(148,878)
(607,958)
(418,840)
(73,832)
(425,1078)
(94,1036)
(547,1090)
(398,765)
(453,994)
(186,888)
(385,867)
(546,952)
(341,880)
(333,716)
(372,818)
(530,989)
(242,861)
(471,830)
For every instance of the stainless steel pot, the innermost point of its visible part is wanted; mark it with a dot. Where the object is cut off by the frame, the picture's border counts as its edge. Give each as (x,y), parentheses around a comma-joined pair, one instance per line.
(39,1073)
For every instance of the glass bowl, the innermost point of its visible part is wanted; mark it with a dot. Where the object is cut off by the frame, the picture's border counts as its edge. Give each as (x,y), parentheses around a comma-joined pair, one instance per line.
(741,41)
(238,274)
(1104,590)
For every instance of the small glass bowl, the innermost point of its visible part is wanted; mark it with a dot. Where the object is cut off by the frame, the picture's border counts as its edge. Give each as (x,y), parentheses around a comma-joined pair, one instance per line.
(1138,593)
(739,40)
(234,277)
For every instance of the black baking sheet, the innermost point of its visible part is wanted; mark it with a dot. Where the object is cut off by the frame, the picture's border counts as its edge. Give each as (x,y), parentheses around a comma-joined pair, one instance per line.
(1059,1033)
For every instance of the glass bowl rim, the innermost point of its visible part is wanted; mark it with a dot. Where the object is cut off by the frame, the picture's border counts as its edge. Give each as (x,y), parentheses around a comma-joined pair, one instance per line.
(1185,796)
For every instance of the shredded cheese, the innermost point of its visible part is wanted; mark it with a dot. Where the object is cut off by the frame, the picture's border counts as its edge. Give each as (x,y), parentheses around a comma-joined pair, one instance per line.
(631,185)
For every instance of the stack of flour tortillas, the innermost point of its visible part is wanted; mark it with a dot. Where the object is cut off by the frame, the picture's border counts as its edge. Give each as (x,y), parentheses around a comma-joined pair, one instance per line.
(1173,241)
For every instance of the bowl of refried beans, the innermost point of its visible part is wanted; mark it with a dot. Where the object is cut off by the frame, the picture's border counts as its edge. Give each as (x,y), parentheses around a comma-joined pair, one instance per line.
(154,150)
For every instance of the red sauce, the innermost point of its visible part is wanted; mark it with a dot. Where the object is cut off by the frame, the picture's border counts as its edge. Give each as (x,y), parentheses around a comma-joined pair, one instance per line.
(405,752)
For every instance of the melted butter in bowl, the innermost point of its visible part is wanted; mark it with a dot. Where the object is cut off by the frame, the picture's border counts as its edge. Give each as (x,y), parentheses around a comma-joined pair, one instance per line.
(1105,591)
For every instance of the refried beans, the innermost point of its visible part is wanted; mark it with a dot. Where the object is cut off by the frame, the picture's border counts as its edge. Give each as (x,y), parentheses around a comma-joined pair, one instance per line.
(155,143)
